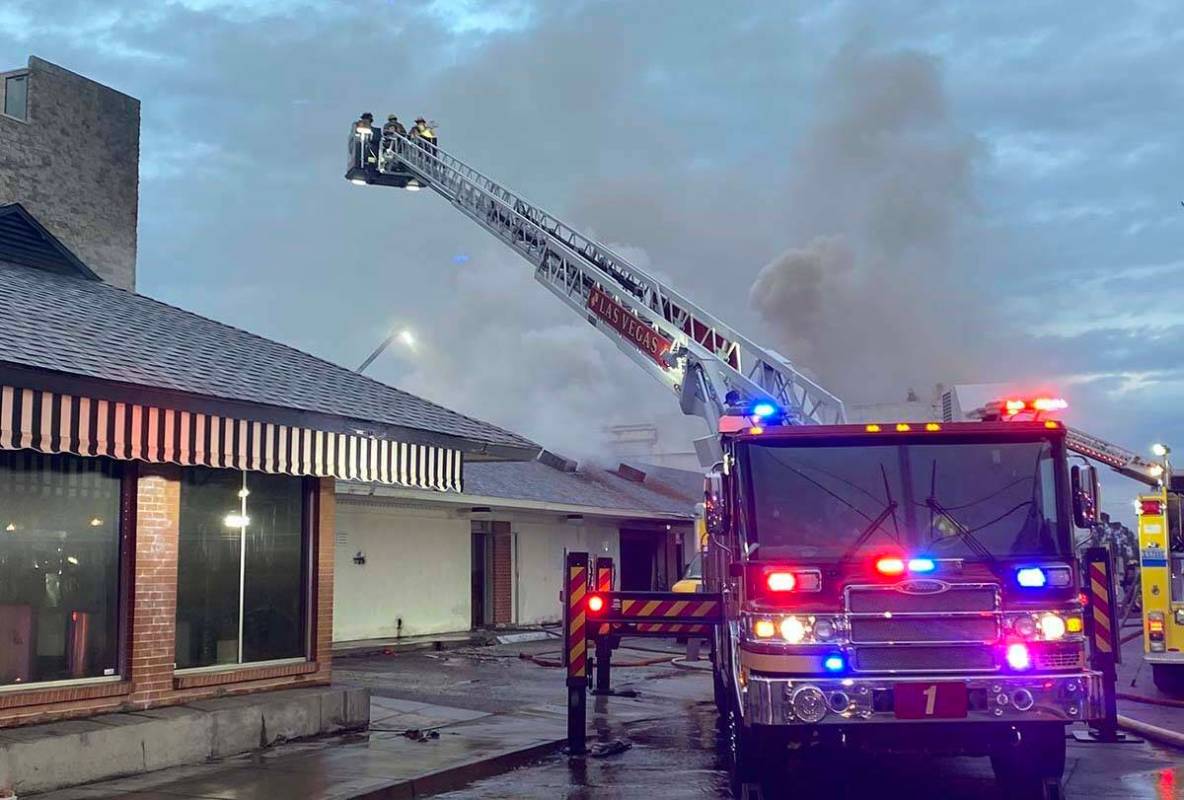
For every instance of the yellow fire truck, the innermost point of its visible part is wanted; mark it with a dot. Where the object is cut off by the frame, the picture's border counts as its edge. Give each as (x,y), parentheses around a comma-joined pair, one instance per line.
(1161,554)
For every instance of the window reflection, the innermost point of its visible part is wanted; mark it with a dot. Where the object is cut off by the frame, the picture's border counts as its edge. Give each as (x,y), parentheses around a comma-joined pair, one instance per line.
(59,567)
(241,585)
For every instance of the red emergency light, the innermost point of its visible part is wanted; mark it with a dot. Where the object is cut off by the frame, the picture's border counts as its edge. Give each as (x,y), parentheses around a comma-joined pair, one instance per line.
(781,581)
(1035,405)
(1150,507)
(890,565)
(595,604)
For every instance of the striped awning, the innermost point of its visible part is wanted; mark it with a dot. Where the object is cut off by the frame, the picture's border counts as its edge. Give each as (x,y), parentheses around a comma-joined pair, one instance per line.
(50,422)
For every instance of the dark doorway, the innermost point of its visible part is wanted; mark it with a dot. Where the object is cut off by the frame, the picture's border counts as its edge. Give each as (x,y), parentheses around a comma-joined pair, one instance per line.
(492,573)
(482,586)
(639,561)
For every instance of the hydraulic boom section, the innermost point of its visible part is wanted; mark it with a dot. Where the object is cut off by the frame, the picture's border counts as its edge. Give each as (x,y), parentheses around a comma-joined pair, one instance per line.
(709,365)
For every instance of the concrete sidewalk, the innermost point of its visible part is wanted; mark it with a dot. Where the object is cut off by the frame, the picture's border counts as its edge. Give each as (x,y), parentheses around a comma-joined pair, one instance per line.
(413,748)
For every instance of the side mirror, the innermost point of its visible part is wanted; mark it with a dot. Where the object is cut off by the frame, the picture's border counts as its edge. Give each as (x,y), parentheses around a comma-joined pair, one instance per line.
(714,507)
(1086,495)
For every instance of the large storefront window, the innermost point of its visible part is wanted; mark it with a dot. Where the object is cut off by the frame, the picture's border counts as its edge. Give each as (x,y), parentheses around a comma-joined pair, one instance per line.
(242,580)
(59,567)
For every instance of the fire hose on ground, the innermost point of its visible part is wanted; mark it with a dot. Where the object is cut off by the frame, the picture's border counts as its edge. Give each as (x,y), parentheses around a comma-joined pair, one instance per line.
(555,659)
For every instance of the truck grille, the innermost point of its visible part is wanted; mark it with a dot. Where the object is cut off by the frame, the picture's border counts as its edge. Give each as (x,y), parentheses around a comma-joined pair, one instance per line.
(878,599)
(933,627)
(924,629)
(924,659)
(1058,656)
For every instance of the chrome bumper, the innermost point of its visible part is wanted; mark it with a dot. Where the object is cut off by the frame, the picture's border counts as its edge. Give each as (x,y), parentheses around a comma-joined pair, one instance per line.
(993,698)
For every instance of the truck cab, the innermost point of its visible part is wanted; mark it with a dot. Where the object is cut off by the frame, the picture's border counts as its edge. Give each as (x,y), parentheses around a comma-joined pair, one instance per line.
(899,586)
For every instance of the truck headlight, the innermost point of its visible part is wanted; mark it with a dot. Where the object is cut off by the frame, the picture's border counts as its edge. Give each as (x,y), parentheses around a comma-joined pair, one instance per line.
(824,630)
(793,630)
(1052,627)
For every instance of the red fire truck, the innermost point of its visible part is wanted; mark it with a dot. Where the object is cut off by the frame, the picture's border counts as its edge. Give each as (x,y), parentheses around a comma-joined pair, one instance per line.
(886,585)
(900,586)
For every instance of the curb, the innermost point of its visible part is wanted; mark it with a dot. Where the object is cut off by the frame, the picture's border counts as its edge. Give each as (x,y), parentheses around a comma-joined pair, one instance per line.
(455,777)
(1152,732)
(702,665)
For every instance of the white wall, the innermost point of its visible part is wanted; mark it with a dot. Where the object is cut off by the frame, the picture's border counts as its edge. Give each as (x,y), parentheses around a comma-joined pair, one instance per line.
(417,568)
(539,569)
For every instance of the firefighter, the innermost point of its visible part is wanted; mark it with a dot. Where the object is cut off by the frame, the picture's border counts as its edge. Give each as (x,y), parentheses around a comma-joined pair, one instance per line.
(426,134)
(368,140)
(391,132)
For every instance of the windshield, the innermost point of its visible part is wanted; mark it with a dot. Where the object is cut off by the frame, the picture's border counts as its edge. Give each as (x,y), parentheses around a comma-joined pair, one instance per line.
(694,569)
(947,500)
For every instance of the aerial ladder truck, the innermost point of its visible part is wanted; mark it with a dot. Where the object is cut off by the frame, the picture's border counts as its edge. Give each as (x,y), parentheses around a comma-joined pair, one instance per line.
(884,585)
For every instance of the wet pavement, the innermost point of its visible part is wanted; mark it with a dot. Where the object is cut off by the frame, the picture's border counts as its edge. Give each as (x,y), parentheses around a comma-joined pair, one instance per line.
(1134,678)
(485,703)
(685,758)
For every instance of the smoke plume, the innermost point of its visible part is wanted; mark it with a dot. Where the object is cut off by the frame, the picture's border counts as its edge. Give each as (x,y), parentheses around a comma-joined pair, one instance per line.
(877,297)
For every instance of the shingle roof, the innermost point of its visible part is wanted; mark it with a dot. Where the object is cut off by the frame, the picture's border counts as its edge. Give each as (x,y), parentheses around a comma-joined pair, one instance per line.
(668,491)
(99,331)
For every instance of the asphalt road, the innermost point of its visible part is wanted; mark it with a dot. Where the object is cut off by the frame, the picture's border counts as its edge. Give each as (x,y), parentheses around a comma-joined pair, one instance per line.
(682,755)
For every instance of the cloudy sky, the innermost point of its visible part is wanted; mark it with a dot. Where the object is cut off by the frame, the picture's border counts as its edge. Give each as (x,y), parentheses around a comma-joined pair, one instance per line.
(892,194)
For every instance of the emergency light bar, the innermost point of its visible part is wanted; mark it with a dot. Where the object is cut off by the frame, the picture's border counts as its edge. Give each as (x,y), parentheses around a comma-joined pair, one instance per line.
(1010,408)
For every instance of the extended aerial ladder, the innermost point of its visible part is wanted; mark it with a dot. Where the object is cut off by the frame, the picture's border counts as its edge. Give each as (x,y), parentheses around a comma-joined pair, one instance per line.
(709,365)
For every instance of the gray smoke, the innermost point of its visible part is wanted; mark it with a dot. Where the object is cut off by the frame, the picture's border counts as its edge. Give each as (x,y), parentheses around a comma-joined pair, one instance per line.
(878,296)
(505,350)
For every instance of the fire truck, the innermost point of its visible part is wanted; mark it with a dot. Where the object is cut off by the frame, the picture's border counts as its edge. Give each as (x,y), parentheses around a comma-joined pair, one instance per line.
(889,585)
(1161,553)
(901,586)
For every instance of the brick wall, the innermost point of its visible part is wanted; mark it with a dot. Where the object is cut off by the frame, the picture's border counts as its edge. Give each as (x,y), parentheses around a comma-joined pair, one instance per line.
(149,680)
(503,575)
(154,592)
(74,165)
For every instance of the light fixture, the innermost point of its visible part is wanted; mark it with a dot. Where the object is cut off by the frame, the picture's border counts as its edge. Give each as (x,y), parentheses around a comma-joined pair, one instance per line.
(1052,627)
(95,522)
(358,181)
(1156,470)
(407,338)
(72,560)
(236,520)
(764,409)
(781,581)
(1031,578)
(10,527)
(243,493)
(1160,450)
(793,630)
(1019,657)
(413,185)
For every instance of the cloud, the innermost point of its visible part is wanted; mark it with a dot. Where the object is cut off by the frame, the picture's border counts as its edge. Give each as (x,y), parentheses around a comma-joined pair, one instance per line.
(716,140)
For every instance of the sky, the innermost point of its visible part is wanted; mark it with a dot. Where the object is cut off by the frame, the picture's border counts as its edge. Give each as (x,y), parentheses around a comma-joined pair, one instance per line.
(892,194)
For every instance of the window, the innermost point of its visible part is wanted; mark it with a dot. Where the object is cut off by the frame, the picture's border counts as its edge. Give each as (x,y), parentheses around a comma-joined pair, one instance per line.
(242,577)
(16,96)
(59,567)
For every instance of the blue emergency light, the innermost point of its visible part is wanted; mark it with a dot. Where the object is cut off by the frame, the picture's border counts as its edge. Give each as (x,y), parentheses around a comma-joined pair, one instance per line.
(764,409)
(1031,578)
(833,663)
